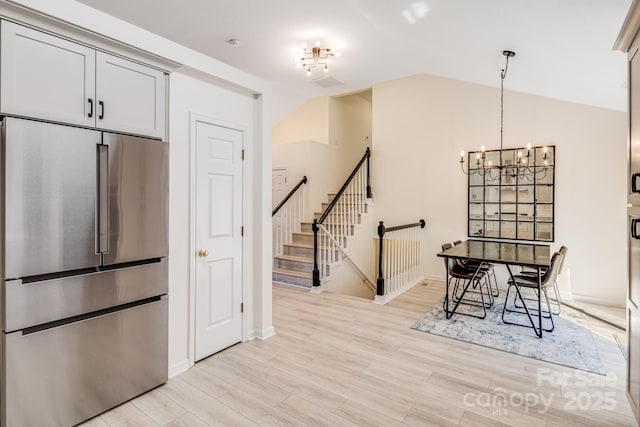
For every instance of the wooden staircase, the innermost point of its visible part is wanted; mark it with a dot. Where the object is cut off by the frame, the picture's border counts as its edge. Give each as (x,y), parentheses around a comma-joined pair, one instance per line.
(295,265)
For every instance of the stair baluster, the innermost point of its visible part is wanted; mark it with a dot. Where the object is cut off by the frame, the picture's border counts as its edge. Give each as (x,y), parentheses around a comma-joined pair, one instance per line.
(289,218)
(398,259)
(338,220)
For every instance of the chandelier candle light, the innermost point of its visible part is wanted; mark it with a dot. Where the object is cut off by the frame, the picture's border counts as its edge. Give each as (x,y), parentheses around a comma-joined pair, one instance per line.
(314,57)
(510,167)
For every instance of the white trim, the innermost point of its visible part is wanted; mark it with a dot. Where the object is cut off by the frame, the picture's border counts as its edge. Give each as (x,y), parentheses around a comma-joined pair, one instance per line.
(180,367)
(265,333)
(596,300)
(194,119)
(261,335)
(384,299)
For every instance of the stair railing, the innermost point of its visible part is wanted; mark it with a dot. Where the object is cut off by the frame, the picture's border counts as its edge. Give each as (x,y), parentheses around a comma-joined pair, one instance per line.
(288,221)
(338,221)
(399,255)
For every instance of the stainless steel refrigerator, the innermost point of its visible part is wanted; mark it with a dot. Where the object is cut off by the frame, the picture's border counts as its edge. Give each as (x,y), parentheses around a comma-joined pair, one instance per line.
(83,257)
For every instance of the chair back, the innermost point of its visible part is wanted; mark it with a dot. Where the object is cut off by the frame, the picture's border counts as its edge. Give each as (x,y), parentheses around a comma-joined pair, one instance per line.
(550,276)
(448,262)
(563,251)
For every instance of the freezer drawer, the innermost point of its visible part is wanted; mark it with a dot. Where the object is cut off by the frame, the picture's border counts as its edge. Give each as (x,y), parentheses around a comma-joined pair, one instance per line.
(136,225)
(30,304)
(64,375)
(50,196)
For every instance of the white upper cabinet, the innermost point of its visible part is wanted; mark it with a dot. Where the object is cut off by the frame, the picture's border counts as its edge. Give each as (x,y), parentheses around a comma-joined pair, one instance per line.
(131,97)
(47,77)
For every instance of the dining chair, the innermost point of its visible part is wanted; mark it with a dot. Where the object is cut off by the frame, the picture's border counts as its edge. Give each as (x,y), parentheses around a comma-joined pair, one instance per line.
(558,300)
(486,267)
(527,282)
(467,278)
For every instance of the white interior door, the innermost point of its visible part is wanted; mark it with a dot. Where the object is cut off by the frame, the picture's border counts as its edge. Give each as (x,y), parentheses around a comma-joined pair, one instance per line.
(218,314)
(279,188)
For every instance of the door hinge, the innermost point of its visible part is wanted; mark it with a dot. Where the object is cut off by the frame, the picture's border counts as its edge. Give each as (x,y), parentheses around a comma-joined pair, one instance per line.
(242,230)
(243,154)
(241,307)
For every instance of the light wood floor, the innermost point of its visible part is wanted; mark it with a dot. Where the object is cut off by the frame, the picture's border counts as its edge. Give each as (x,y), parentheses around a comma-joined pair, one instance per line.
(339,360)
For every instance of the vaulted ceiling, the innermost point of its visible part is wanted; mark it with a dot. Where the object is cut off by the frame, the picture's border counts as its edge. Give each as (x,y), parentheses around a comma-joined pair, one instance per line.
(564,47)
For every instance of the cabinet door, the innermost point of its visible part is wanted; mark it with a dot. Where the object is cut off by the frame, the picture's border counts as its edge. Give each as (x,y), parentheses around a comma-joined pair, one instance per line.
(634,128)
(633,311)
(46,77)
(131,97)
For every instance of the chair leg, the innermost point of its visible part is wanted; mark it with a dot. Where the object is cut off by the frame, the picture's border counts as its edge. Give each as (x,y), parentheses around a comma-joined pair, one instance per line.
(526,311)
(556,291)
(495,282)
(546,297)
(481,304)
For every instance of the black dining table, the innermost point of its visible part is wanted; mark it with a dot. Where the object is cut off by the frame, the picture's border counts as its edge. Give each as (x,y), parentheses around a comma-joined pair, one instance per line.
(536,256)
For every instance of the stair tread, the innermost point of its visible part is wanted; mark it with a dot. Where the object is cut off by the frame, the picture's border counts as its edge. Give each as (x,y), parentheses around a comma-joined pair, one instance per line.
(292,272)
(298,245)
(294,257)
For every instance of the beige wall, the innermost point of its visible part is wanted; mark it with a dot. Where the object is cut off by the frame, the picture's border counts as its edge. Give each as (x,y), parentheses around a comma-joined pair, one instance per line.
(309,122)
(350,130)
(346,122)
(314,160)
(420,125)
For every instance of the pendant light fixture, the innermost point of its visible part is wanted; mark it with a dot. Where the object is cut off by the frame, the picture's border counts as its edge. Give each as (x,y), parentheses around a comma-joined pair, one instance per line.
(521,163)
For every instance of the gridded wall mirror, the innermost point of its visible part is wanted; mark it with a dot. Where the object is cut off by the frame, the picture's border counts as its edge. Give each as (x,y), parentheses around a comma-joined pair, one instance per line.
(511,193)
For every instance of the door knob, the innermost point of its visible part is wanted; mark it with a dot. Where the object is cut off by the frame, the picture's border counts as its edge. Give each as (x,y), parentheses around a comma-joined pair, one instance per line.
(203,253)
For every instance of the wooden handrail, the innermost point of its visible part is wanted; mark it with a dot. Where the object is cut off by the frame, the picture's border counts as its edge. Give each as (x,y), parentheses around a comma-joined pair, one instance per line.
(365,158)
(288,196)
(420,224)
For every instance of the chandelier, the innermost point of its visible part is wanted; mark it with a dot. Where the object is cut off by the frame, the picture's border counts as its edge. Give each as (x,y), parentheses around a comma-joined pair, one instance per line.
(315,57)
(507,166)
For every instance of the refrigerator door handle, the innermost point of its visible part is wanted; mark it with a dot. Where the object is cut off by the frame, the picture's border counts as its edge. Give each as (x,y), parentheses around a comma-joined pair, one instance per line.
(634,183)
(103,199)
(634,228)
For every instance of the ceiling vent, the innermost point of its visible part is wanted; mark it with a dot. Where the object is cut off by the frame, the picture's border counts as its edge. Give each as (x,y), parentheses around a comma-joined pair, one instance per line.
(327,82)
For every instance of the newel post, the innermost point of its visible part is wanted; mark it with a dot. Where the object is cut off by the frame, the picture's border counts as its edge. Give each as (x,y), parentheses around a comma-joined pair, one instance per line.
(316,271)
(380,281)
(368,174)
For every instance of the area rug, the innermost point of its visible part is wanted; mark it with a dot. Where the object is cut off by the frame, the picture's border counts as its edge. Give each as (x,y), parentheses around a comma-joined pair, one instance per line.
(570,344)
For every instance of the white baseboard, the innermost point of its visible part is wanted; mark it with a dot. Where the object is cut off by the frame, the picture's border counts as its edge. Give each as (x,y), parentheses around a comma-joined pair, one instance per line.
(261,334)
(266,333)
(597,300)
(178,368)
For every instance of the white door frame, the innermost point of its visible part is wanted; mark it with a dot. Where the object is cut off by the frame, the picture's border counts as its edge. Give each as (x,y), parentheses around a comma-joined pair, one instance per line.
(194,119)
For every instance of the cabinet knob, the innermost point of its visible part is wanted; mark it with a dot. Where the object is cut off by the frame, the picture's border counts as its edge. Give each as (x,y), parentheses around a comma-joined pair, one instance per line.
(203,253)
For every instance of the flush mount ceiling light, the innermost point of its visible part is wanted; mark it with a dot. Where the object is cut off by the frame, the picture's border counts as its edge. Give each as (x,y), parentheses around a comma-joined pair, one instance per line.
(315,57)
